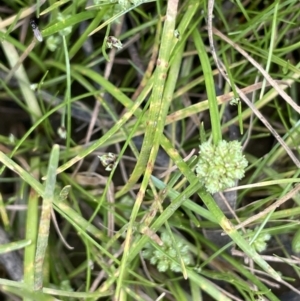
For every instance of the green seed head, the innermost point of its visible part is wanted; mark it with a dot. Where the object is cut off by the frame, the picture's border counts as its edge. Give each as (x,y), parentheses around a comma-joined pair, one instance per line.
(164,262)
(219,166)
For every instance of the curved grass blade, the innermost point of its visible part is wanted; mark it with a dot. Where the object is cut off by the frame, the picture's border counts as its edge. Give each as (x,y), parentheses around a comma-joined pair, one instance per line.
(56,5)
(68,22)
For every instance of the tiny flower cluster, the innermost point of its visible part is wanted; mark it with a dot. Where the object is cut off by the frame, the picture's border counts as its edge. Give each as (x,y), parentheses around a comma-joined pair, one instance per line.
(164,262)
(260,243)
(219,166)
(55,41)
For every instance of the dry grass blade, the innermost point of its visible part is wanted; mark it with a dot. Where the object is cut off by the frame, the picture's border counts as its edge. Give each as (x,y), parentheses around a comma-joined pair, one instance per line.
(270,208)
(273,82)
(20,61)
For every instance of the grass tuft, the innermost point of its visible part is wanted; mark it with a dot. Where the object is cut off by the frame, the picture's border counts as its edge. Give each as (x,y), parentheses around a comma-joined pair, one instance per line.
(103,192)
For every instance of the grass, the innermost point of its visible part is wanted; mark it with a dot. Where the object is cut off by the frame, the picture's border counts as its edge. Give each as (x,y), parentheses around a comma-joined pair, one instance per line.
(140,225)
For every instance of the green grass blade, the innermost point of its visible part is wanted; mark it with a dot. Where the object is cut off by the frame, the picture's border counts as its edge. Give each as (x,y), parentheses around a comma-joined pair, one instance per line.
(44,226)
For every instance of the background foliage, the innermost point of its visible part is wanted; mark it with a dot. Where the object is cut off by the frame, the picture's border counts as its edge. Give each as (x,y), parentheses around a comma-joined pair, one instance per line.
(100,129)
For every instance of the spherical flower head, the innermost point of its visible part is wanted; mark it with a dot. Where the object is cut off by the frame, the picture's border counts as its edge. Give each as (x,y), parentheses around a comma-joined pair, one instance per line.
(67,30)
(163,261)
(219,166)
(260,243)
